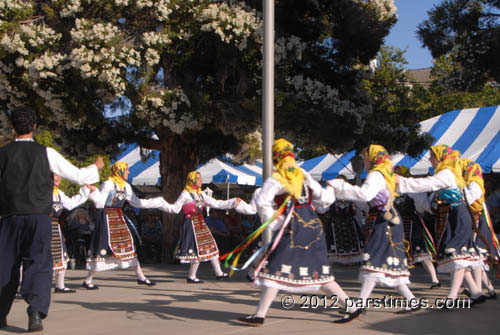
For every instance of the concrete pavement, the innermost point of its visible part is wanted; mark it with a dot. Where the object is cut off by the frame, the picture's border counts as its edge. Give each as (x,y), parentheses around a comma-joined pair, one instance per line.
(121,306)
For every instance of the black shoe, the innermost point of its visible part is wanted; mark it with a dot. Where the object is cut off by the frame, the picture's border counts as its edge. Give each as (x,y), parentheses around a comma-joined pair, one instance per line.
(251,320)
(491,296)
(435,285)
(193,281)
(466,292)
(90,286)
(350,316)
(478,300)
(3,323)
(64,290)
(224,275)
(35,322)
(146,282)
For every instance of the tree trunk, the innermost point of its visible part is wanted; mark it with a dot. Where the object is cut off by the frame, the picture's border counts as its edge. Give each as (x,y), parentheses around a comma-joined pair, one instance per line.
(178,156)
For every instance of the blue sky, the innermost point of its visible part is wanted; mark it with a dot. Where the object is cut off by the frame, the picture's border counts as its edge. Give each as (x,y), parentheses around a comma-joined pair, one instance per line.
(403,35)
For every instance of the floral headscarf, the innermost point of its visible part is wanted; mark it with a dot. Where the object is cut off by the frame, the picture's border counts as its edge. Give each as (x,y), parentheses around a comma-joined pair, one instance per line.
(117,172)
(380,161)
(286,171)
(472,173)
(448,159)
(191,186)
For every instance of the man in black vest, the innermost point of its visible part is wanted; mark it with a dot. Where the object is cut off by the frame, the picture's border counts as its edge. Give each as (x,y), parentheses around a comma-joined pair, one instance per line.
(26,186)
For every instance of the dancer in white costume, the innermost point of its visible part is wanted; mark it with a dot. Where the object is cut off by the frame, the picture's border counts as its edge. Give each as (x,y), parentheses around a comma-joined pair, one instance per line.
(59,251)
(299,260)
(197,243)
(112,245)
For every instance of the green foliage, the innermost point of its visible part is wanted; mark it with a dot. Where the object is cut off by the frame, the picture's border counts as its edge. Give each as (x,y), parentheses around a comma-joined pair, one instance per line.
(395,113)
(469,30)
(439,98)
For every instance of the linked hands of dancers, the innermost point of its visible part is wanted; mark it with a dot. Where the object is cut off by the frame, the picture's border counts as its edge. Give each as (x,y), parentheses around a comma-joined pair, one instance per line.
(237,200)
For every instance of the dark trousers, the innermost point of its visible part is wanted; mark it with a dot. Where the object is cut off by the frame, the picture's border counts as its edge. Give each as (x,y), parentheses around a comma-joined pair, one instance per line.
(25,239)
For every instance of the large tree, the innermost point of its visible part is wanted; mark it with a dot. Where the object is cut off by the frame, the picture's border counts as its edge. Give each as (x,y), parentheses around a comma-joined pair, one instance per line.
(105,71)
(470,31)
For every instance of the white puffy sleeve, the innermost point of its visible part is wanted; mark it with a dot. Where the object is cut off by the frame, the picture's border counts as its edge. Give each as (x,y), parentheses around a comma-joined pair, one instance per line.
(473,192)
(444,179)
(142,203)
(373,184)
(219,204)
(60,166)
(322,198)
(99,196)
(75,201)
(177,206)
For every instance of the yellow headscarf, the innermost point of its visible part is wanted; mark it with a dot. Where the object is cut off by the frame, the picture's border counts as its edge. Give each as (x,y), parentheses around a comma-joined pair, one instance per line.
(449,159)
(117,172)
(472,173)
(191,183)
(286,172)
(380,161)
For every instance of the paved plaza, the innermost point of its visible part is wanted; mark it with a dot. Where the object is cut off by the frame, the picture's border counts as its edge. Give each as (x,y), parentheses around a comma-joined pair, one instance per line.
(121,306)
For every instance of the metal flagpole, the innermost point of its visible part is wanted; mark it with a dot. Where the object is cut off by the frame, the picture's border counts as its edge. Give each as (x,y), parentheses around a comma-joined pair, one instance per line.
(268,97)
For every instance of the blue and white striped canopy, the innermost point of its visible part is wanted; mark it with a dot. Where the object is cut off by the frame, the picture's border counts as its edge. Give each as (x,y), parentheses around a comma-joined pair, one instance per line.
(474,132)
(215,171)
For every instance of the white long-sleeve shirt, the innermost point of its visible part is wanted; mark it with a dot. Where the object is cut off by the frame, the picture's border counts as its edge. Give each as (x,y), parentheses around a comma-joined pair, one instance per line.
(60,166)
(374,183)
(185,198)
(100,197)
(75,201)
(473,192)
(320,196)
(444,179)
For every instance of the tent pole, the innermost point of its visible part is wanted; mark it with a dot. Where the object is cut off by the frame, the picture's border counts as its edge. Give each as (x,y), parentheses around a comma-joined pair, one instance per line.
(268,97)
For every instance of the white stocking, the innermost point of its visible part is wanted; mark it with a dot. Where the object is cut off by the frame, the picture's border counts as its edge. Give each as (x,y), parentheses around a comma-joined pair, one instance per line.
(477,272)
(216,266)
(474,290)
(60,279)
(487,282)
(429,267)
(366,289)
(457,277)
(90,276)
(334,289)
(405,292)
(193,268)
(266,299)
(139,273)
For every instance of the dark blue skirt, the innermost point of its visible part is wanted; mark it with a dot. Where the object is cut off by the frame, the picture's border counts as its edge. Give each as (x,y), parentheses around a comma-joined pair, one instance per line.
(385,250)
(197,243)
(456,248)
(300,258)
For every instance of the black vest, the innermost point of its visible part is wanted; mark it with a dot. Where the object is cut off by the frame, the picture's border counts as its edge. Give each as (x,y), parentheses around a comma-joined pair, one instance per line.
(26,182)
